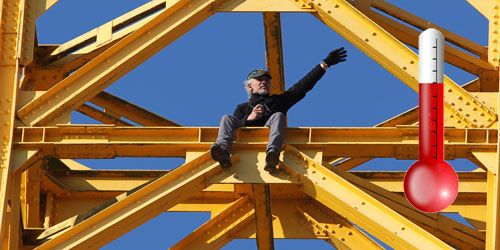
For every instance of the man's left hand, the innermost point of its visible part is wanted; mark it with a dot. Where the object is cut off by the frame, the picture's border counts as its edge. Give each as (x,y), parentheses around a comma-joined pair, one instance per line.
(336,56)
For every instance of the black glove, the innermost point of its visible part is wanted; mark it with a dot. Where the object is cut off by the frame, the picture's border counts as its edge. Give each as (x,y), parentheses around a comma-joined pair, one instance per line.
(336,56)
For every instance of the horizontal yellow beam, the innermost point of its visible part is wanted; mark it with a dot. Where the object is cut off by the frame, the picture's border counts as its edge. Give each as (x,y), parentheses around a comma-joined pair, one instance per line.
(101,141)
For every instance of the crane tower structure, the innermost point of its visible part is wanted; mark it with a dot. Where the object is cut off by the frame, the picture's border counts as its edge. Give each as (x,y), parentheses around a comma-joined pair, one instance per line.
(50,201)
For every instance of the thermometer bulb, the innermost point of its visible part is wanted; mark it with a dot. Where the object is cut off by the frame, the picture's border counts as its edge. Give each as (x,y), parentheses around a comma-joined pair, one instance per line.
(431,184)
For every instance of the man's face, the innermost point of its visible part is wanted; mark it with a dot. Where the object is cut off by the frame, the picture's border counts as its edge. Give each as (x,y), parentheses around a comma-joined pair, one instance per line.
(260,85)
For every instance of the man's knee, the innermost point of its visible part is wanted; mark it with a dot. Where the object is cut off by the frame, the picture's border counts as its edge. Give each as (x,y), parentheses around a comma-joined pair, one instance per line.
(279,116)
(228,118)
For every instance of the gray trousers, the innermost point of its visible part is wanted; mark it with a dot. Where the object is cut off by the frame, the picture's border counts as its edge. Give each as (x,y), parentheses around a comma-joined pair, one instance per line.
(276,124)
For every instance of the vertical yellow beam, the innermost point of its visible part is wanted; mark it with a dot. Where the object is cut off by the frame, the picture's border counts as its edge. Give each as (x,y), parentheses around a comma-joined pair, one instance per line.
(9,25)
(263,216)
(493,196)
(30,181)
(274,51)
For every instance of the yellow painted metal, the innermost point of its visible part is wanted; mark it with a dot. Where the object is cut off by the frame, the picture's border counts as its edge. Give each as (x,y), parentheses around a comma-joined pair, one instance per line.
(481,6)
(448,230)
(250,170)
(396,57)
(486,160)
(104,35)
(100,141)
(221,229)
(259,6)
(423,24)
(138,207)
(357,206)
(30,197)
(129,110)
(101,116)
(263,216)
(43,5)
(125,55)
(409,35)
(26,43)
(494,32)
(274,51)
(339,239)
(492,220)
(9,67)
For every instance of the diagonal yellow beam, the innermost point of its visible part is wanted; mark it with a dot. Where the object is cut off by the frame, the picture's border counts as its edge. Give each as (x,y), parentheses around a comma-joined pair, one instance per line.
(104,35)
(138,207)
(177,19)
(129,110)
(409,35)
(450,231)
(396,57)
(43,5)
(357,206)
(423,24)
(101,116)
(356,239)
(263,216)
(220,229)
(274,51)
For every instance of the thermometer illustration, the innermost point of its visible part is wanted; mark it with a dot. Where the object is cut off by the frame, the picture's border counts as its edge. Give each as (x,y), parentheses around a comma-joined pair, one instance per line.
(431,184)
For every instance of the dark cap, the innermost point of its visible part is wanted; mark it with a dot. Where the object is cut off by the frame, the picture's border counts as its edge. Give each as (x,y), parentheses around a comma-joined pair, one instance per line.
(258,73)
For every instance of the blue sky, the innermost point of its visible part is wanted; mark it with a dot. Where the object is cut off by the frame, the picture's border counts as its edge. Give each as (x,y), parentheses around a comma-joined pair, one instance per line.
(198,78)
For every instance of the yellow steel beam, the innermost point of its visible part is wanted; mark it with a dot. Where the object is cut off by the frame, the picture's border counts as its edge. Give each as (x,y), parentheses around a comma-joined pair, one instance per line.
(481,6)
(27,32)
(485,160)
(492,206)
(177,19)
(263,216)
(357,206)
(138,207)
(450,231)
(10,18)
(100,141)
(336,237)
(101,116)
(493,199)
(30,193)
(129,110)
(406,118)
(220,229)
(423,24)
(104,35)
(401,62)
(43,5)
(274,51)
(42,78)
(259,6)
(410,35)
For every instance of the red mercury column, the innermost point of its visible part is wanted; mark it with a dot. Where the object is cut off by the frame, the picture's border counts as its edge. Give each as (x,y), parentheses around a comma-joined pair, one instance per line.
(431,184)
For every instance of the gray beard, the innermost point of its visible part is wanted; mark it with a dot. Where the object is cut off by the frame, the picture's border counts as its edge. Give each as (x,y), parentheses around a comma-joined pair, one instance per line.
(261,92)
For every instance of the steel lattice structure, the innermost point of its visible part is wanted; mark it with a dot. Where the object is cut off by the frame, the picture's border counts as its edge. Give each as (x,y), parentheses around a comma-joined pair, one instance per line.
(64,204)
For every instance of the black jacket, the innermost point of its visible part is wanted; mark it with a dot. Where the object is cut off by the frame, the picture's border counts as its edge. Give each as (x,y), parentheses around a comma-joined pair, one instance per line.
(280,102)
